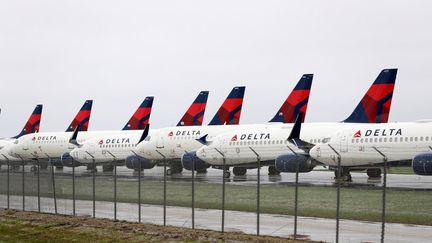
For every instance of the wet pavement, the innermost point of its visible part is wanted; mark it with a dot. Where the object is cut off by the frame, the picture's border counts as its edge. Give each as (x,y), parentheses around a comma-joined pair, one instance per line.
(276,225)
(314,178)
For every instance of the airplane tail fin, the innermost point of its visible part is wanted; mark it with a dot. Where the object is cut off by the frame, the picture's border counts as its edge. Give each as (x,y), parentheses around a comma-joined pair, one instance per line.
(141,117)
(33,123)
(296,102)
(374,107)
(82,118)
(230,111)
(195,114)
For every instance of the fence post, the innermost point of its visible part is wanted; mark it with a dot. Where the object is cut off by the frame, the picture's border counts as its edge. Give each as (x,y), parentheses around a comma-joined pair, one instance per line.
(295,194)
(23,185)
(384,189)
(258,210)
(7,182)
(139,193)
(193,193)
(38,184)
(223,189)
(73,188)
(94,183)
(53,185)
(164,188)
(115,184)
(338,192)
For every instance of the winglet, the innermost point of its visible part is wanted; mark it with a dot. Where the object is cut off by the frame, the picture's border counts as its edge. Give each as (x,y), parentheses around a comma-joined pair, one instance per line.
(73,139)
(295,131)
(145,133)
(203,140)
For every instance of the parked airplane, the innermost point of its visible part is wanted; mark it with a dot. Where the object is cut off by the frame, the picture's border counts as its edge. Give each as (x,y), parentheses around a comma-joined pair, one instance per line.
(172,143)
(32,126)
(108,148)
(50,145)
(240,148)
(366,146)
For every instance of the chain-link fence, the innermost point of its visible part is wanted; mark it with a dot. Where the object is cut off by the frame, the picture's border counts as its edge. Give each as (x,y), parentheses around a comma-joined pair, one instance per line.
(289,205)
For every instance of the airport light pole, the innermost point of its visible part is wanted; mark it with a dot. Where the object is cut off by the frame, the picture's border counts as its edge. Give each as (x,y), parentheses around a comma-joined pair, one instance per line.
(338,192)
(164,188)
(94,183)
(223,189)
(384,189)
(258,189)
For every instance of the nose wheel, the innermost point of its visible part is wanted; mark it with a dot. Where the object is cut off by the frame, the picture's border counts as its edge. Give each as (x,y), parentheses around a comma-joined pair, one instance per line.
(345,175)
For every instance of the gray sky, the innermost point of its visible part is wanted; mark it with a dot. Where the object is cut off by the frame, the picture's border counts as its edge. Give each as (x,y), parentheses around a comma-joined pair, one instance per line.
(60,53)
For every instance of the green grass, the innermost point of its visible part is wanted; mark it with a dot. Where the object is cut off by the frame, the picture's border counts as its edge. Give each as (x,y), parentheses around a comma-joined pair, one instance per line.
(403,206)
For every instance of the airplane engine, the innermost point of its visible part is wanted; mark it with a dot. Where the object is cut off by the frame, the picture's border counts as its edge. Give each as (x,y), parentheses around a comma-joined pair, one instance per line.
(134,161)
(288,163)
(422,164)
(189,158)
(68,161)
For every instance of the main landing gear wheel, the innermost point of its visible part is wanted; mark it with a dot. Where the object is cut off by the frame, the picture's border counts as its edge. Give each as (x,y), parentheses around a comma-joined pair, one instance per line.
(345,175)
(272,171)
(226,174)
(91,168)
(107,168)
(239,171)
(373,172)
(201,171)
(175,169)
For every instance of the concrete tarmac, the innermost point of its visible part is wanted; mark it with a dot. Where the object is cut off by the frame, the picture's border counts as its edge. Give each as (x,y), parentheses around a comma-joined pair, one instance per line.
(319,229)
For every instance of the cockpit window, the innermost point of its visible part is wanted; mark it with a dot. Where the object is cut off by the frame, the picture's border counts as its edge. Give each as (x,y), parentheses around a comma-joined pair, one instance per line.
(147,138)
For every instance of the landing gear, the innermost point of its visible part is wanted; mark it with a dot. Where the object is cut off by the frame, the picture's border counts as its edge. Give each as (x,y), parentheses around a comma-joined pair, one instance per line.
(239,171)
(59,167)
(107,168)
(226,174)
(90,167)
(345,175)
(15,167)
(373,172)
(43,165)
(272,171)
(175,168)
(201,171)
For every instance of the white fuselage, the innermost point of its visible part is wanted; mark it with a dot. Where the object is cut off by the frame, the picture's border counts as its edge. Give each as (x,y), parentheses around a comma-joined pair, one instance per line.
(5,145)
(48,145)
(358,146)
(107,147)
(173,142)
(268,142)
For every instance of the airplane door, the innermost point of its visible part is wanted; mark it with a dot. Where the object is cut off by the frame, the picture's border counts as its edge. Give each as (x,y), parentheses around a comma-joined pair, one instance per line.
(25,145)
(91,149)
(344,142)
(160,142)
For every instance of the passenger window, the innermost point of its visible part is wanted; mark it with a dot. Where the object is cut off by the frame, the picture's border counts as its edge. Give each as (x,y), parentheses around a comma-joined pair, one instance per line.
(427,138)
(361,140)
(376,140)
(385,140)
(406,139)
(411,139)
(390,139)
(415,139)
(421,139)
(380,140)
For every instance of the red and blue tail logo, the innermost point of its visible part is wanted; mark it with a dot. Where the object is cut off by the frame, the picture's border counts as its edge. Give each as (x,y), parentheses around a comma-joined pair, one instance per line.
(33,123)
(375,105)
(82,118)
(141,117)
(195,114)
(230,111)
(296,102)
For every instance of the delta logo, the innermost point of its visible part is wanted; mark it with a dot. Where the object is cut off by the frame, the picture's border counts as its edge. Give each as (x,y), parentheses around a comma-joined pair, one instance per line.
(233,139)
(170,134)
(101,142)
(357,134)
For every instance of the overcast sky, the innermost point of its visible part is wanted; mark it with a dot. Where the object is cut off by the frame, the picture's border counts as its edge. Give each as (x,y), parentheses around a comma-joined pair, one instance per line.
(60,53)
